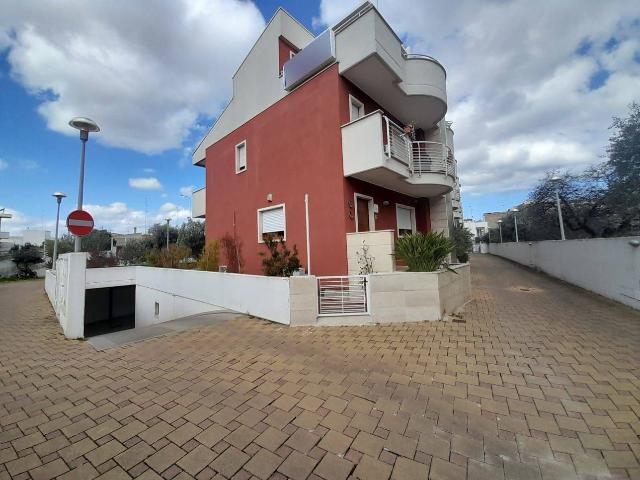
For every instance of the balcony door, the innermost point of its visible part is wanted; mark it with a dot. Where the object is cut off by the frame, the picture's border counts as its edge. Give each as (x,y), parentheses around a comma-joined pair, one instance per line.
(364,213)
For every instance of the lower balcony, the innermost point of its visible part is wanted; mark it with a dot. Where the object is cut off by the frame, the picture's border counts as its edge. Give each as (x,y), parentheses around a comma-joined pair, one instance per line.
(376,150)
(198,203)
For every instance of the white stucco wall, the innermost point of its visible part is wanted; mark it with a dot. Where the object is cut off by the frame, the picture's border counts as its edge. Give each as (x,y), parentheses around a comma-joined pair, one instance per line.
(607,266)
(381,245)
(257,84)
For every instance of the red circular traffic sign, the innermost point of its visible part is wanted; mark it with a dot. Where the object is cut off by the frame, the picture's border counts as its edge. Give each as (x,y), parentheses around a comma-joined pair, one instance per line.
(80,223)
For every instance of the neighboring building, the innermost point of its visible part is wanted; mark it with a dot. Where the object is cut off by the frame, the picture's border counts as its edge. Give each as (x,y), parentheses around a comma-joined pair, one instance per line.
(119,240)
(476,227)
(313,145)
(492,218)
(33,237)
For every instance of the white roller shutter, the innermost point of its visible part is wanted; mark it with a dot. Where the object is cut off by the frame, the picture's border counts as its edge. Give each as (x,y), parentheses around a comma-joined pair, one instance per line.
(273,220)
(405,220)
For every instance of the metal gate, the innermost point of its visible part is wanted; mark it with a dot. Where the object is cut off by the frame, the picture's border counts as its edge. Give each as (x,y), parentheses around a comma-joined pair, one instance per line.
(343,295)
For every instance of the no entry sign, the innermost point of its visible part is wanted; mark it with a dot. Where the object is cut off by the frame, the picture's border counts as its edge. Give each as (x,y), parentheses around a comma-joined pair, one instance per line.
(80,223)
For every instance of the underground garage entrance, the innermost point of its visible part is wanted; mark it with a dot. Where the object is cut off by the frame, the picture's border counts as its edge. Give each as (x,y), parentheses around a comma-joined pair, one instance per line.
(110,309)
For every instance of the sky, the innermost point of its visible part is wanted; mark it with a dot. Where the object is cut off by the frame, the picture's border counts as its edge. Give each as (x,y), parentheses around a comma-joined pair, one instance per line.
(532,87)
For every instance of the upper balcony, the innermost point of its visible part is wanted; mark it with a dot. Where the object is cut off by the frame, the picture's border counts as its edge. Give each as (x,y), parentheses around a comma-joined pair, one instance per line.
(198,203)
(376,150)
(371,56)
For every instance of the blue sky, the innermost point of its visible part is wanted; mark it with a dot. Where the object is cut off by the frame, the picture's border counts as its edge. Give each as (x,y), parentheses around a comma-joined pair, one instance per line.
(536,108)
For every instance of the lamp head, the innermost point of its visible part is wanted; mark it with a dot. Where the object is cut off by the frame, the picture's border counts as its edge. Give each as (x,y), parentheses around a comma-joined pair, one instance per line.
(555,178)
(515,210)
(499,221)
(84,124)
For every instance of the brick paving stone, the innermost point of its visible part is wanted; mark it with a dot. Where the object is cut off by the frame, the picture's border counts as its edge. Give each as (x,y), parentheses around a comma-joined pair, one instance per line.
(23,464)
(526,368)
(230,461)
(297,466)
(165,457)
(105,452)
(132,456)
(196,460)
(368,444)
(521,471)
(405,469)
(484,471)
(86,471)
(115,473)
(212,435)
(49,470)
(444,470)
(263,464)
(371,469)
(335,442)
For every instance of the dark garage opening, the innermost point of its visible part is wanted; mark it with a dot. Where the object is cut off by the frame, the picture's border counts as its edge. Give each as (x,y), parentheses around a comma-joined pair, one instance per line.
(108,310)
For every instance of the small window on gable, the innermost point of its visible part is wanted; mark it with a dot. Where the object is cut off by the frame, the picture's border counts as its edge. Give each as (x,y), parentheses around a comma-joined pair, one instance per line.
(272,223)
(241,157)
(406,220)
(356,108)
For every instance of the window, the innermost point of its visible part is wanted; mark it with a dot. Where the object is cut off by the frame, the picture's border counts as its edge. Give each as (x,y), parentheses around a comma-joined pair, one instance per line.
(356,108)
(272,222)
(406,220)
(241,157)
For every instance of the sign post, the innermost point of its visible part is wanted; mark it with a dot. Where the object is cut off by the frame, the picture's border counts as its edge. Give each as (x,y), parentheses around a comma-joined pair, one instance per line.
(80,223)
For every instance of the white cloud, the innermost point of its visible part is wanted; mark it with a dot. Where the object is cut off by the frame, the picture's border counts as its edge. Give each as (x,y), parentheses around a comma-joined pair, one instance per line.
(29,164)
(150,183)
(3,164)
(519,93)
(187,191)
(144,74)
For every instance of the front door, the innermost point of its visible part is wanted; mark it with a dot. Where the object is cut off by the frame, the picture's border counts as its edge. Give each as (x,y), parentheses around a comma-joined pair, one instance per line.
(362,214)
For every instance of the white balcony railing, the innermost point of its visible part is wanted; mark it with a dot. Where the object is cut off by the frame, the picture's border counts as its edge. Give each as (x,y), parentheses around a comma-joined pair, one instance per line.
(419,156)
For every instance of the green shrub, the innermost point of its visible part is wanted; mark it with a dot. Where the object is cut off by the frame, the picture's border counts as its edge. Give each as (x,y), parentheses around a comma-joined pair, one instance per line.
(278,260)
(209,261)
(176,256)
(462,243)
(424,252)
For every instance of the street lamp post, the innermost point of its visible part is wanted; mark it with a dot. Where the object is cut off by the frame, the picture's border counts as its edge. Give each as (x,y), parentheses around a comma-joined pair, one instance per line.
(85,125)
(500,227)
(59,196)
(168,220)
(556,181)
(515,220)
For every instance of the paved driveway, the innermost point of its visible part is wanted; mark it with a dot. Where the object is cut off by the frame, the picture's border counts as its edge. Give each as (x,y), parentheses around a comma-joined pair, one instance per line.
(540,381)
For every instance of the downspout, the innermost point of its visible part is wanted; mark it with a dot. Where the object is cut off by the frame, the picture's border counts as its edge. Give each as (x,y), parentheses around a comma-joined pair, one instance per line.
(306,214)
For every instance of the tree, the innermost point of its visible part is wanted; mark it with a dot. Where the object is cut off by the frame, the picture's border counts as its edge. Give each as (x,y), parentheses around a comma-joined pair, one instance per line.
(175,256)
(602,201)
(209,261)
(25,257)
(158,233)
(278,260)
(191,234)
(97,241)
(135,252)
(65,245)
(232,250)
(461,238)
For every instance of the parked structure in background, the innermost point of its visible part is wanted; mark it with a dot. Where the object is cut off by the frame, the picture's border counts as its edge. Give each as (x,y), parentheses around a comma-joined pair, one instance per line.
(327,138)
(119,240)
(478,228)
(492,218)
(34,237)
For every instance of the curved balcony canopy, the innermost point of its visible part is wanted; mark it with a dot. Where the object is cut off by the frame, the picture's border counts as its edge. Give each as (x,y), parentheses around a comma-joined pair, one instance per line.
(371,55)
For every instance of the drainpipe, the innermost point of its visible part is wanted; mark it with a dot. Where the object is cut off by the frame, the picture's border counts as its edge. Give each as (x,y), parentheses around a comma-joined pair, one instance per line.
(306,216)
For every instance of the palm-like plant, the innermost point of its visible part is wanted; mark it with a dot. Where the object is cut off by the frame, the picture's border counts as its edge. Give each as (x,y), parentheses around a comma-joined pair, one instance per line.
(424,252)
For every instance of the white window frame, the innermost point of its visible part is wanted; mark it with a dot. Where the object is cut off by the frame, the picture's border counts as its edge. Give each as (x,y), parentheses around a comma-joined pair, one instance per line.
(354,101)
(246,157)
(291,54)
(272,207)
(413,217)
(372,216)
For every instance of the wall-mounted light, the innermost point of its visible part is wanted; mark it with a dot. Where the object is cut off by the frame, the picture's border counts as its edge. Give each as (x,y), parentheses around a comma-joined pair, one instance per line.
(385,203)
(269,197)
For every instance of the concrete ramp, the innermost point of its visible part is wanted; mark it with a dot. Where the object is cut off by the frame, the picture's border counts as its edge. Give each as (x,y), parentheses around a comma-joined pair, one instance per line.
(139,334)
